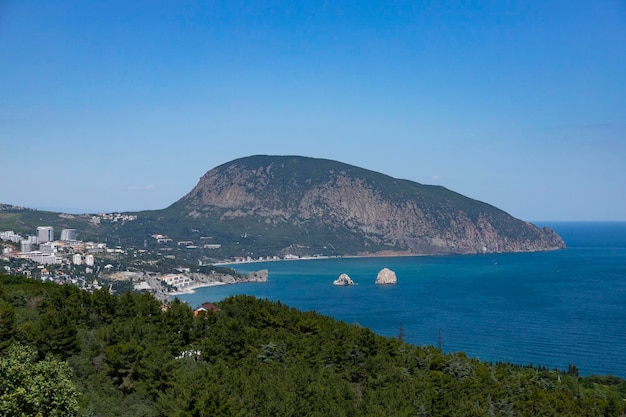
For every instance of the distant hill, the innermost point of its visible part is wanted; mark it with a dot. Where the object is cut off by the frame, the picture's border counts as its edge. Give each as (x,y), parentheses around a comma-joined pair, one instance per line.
(11,207)
(300,205)
(294,205)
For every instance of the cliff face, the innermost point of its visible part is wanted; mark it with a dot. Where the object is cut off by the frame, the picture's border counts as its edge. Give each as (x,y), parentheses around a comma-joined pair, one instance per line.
(367,209)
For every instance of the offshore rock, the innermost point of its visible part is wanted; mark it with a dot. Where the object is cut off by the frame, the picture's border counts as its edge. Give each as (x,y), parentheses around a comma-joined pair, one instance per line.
(343,280)
(386,276)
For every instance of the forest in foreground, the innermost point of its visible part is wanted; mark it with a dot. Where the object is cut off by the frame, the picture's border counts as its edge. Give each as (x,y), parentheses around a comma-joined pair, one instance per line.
(67,352)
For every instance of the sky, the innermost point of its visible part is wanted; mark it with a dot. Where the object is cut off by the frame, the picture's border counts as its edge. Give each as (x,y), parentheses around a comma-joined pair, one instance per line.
(124,105)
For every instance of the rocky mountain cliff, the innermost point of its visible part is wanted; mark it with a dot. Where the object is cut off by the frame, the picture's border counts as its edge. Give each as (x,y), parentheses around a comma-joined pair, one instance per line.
(295,203)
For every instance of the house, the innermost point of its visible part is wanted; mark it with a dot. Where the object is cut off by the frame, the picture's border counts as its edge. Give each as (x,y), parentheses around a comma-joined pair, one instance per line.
(206,307)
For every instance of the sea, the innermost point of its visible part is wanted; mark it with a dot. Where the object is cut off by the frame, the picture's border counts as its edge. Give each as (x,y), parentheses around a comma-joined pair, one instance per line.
(549,309)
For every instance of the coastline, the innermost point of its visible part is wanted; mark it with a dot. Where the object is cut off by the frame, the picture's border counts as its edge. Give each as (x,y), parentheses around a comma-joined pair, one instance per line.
(191,289)
(222,279)
(385,254)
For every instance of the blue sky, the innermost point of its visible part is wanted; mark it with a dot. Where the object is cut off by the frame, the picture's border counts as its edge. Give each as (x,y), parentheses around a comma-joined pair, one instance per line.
(124,105)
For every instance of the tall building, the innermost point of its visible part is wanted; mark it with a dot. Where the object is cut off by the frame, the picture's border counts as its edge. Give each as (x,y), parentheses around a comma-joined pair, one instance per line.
(68,234)
(77,259)
(45,234)
(25,246)
(89,260)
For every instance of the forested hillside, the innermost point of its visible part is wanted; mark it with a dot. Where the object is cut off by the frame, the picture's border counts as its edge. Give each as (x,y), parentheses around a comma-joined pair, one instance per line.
(331,208)
(128,356)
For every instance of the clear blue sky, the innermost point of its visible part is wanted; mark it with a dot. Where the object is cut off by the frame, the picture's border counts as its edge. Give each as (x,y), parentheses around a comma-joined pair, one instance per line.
(124,105)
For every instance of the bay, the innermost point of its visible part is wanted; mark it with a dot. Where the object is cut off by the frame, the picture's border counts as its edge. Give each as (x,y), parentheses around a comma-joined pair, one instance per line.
(546,308)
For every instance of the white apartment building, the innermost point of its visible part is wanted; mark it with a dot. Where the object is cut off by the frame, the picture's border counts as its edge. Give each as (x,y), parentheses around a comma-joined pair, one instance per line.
(10,235)
(44,258)
(89,260)
(25,246)
(77,259)
(68,234)
(48,248)
(31,239)
(178,281)
(45,234)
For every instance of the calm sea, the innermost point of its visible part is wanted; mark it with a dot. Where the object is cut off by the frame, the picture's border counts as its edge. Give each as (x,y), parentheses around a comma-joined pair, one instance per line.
(547,308)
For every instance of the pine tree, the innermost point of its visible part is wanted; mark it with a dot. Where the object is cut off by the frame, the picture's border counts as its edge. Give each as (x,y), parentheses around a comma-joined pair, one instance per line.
(58,334)
(7,325)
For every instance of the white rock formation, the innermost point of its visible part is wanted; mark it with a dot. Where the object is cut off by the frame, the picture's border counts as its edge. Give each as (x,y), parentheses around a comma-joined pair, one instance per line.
(343,280)
(386,276)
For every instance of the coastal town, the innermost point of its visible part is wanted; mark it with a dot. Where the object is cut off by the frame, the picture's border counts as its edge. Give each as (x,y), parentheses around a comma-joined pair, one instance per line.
(165,270)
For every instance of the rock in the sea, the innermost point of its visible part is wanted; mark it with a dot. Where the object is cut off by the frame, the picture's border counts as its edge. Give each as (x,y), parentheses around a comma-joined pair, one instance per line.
(386,276)
(343,280)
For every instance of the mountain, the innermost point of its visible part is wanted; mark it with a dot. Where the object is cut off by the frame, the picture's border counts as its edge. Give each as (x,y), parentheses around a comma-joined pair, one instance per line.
(303,206)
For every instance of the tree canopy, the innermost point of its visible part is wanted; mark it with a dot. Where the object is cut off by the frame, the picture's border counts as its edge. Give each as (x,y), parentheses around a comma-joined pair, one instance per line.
(35,388)
(128,355)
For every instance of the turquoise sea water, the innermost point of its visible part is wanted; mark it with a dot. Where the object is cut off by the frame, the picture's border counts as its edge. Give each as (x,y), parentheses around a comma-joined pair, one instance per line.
(546,308)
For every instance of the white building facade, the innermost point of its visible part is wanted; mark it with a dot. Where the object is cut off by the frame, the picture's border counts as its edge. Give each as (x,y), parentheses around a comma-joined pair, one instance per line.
(68,235)
(45,234)
(45,259)
(177,281)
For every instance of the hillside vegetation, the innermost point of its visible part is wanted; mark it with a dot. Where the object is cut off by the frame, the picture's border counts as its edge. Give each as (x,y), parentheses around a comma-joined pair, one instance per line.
(129,357)
(329,207)
(292,205)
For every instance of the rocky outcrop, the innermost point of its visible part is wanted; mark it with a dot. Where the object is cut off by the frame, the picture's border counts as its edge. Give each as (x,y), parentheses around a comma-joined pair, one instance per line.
(386,276)
(316,204)
(343,280)
(154,284)
(261,275)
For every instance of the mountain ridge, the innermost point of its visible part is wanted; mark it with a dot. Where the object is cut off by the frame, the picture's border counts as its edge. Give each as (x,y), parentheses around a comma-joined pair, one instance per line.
(359,210)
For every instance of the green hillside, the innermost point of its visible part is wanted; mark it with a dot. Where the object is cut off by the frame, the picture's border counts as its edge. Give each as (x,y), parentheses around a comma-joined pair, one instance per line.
(253,357)
(25,222)
(293,205)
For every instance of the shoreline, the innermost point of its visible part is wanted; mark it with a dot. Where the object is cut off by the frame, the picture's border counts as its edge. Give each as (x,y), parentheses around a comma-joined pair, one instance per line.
(312,258)
(383,254)
(191,289)
(232,264)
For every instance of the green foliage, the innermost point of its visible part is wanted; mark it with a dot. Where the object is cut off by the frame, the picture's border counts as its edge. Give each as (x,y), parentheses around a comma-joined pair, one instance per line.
(260,358)
(31,388)
(57,333)
(7,325)
(288,180)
